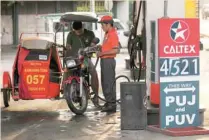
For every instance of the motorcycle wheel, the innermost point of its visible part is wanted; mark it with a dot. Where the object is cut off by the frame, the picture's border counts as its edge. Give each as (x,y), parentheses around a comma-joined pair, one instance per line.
(6,97)
(71,92)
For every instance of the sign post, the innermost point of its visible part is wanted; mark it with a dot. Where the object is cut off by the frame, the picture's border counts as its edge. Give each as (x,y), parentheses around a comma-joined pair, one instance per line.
(179,72)
(108,5)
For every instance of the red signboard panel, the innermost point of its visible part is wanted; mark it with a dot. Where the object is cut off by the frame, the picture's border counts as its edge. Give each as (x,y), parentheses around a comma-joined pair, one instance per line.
(178,37)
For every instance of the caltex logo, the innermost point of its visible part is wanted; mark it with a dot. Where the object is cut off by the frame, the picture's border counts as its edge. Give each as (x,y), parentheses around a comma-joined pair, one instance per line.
(179,31)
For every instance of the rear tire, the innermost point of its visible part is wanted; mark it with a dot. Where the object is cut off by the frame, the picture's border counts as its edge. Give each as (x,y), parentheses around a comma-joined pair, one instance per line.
(6,97)
(71,94)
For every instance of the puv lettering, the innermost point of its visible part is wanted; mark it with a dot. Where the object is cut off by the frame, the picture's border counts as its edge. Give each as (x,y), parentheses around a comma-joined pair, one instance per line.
(180,119)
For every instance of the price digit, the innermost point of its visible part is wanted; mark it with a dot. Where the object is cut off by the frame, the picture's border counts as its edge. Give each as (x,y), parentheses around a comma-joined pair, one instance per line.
(176,66)
(195,65)
(183,72)
(164,67)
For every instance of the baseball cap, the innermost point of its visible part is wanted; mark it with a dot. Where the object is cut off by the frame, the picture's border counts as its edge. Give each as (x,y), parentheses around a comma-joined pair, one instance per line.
(106,19)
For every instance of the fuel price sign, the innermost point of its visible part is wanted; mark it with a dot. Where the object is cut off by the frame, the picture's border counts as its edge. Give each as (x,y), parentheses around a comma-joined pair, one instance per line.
(179,72)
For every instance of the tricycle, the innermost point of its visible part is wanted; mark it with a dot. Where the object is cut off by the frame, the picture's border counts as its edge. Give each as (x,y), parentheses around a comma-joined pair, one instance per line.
(38,71)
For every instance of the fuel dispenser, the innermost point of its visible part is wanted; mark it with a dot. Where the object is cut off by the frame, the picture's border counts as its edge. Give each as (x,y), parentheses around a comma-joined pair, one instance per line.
(133,94)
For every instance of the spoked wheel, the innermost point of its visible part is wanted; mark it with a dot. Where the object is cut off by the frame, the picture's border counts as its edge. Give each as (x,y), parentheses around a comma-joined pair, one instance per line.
(6,97)
(77,104)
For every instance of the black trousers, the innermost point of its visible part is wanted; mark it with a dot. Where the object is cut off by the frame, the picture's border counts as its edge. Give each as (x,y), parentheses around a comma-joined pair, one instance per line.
(108,79)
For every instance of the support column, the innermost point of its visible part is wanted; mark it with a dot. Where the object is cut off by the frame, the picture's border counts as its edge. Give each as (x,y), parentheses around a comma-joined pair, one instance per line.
(15,23)
(92,5)
(114,9)
(57,8)
(123,11)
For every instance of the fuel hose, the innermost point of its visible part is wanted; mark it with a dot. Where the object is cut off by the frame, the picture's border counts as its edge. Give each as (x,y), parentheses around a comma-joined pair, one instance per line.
(112,89)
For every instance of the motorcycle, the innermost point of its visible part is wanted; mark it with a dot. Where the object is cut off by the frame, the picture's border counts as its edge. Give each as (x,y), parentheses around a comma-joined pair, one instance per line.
(77,86)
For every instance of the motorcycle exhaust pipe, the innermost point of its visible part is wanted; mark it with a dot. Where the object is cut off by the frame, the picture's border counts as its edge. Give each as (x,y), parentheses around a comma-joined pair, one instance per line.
(81,86)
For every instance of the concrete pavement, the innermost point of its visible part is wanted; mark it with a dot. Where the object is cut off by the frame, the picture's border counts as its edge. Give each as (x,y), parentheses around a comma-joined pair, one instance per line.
(46,119)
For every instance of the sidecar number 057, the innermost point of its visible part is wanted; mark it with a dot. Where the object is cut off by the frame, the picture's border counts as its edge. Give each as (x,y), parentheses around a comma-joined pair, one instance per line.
(35,79)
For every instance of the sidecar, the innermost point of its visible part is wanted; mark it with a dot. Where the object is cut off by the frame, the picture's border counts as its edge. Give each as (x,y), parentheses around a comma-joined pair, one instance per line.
(36,71)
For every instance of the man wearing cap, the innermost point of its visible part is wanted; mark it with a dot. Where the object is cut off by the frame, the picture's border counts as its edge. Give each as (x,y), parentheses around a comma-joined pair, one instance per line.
(109,49)
(81,38)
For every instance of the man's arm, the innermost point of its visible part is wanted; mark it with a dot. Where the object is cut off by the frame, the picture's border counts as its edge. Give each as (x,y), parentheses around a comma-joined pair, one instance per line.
(69,42)
(92,38)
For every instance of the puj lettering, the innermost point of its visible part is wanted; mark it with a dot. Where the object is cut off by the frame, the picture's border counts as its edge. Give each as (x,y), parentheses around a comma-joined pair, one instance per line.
(180,100)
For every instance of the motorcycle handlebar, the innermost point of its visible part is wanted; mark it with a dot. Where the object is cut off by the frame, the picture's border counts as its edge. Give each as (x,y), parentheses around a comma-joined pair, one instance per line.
(85,51)
(92,49)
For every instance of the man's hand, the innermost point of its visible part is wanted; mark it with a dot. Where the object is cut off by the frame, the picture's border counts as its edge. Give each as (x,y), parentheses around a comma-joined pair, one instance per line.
(99,54)
(68,47)
(99,46)
(92,44)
